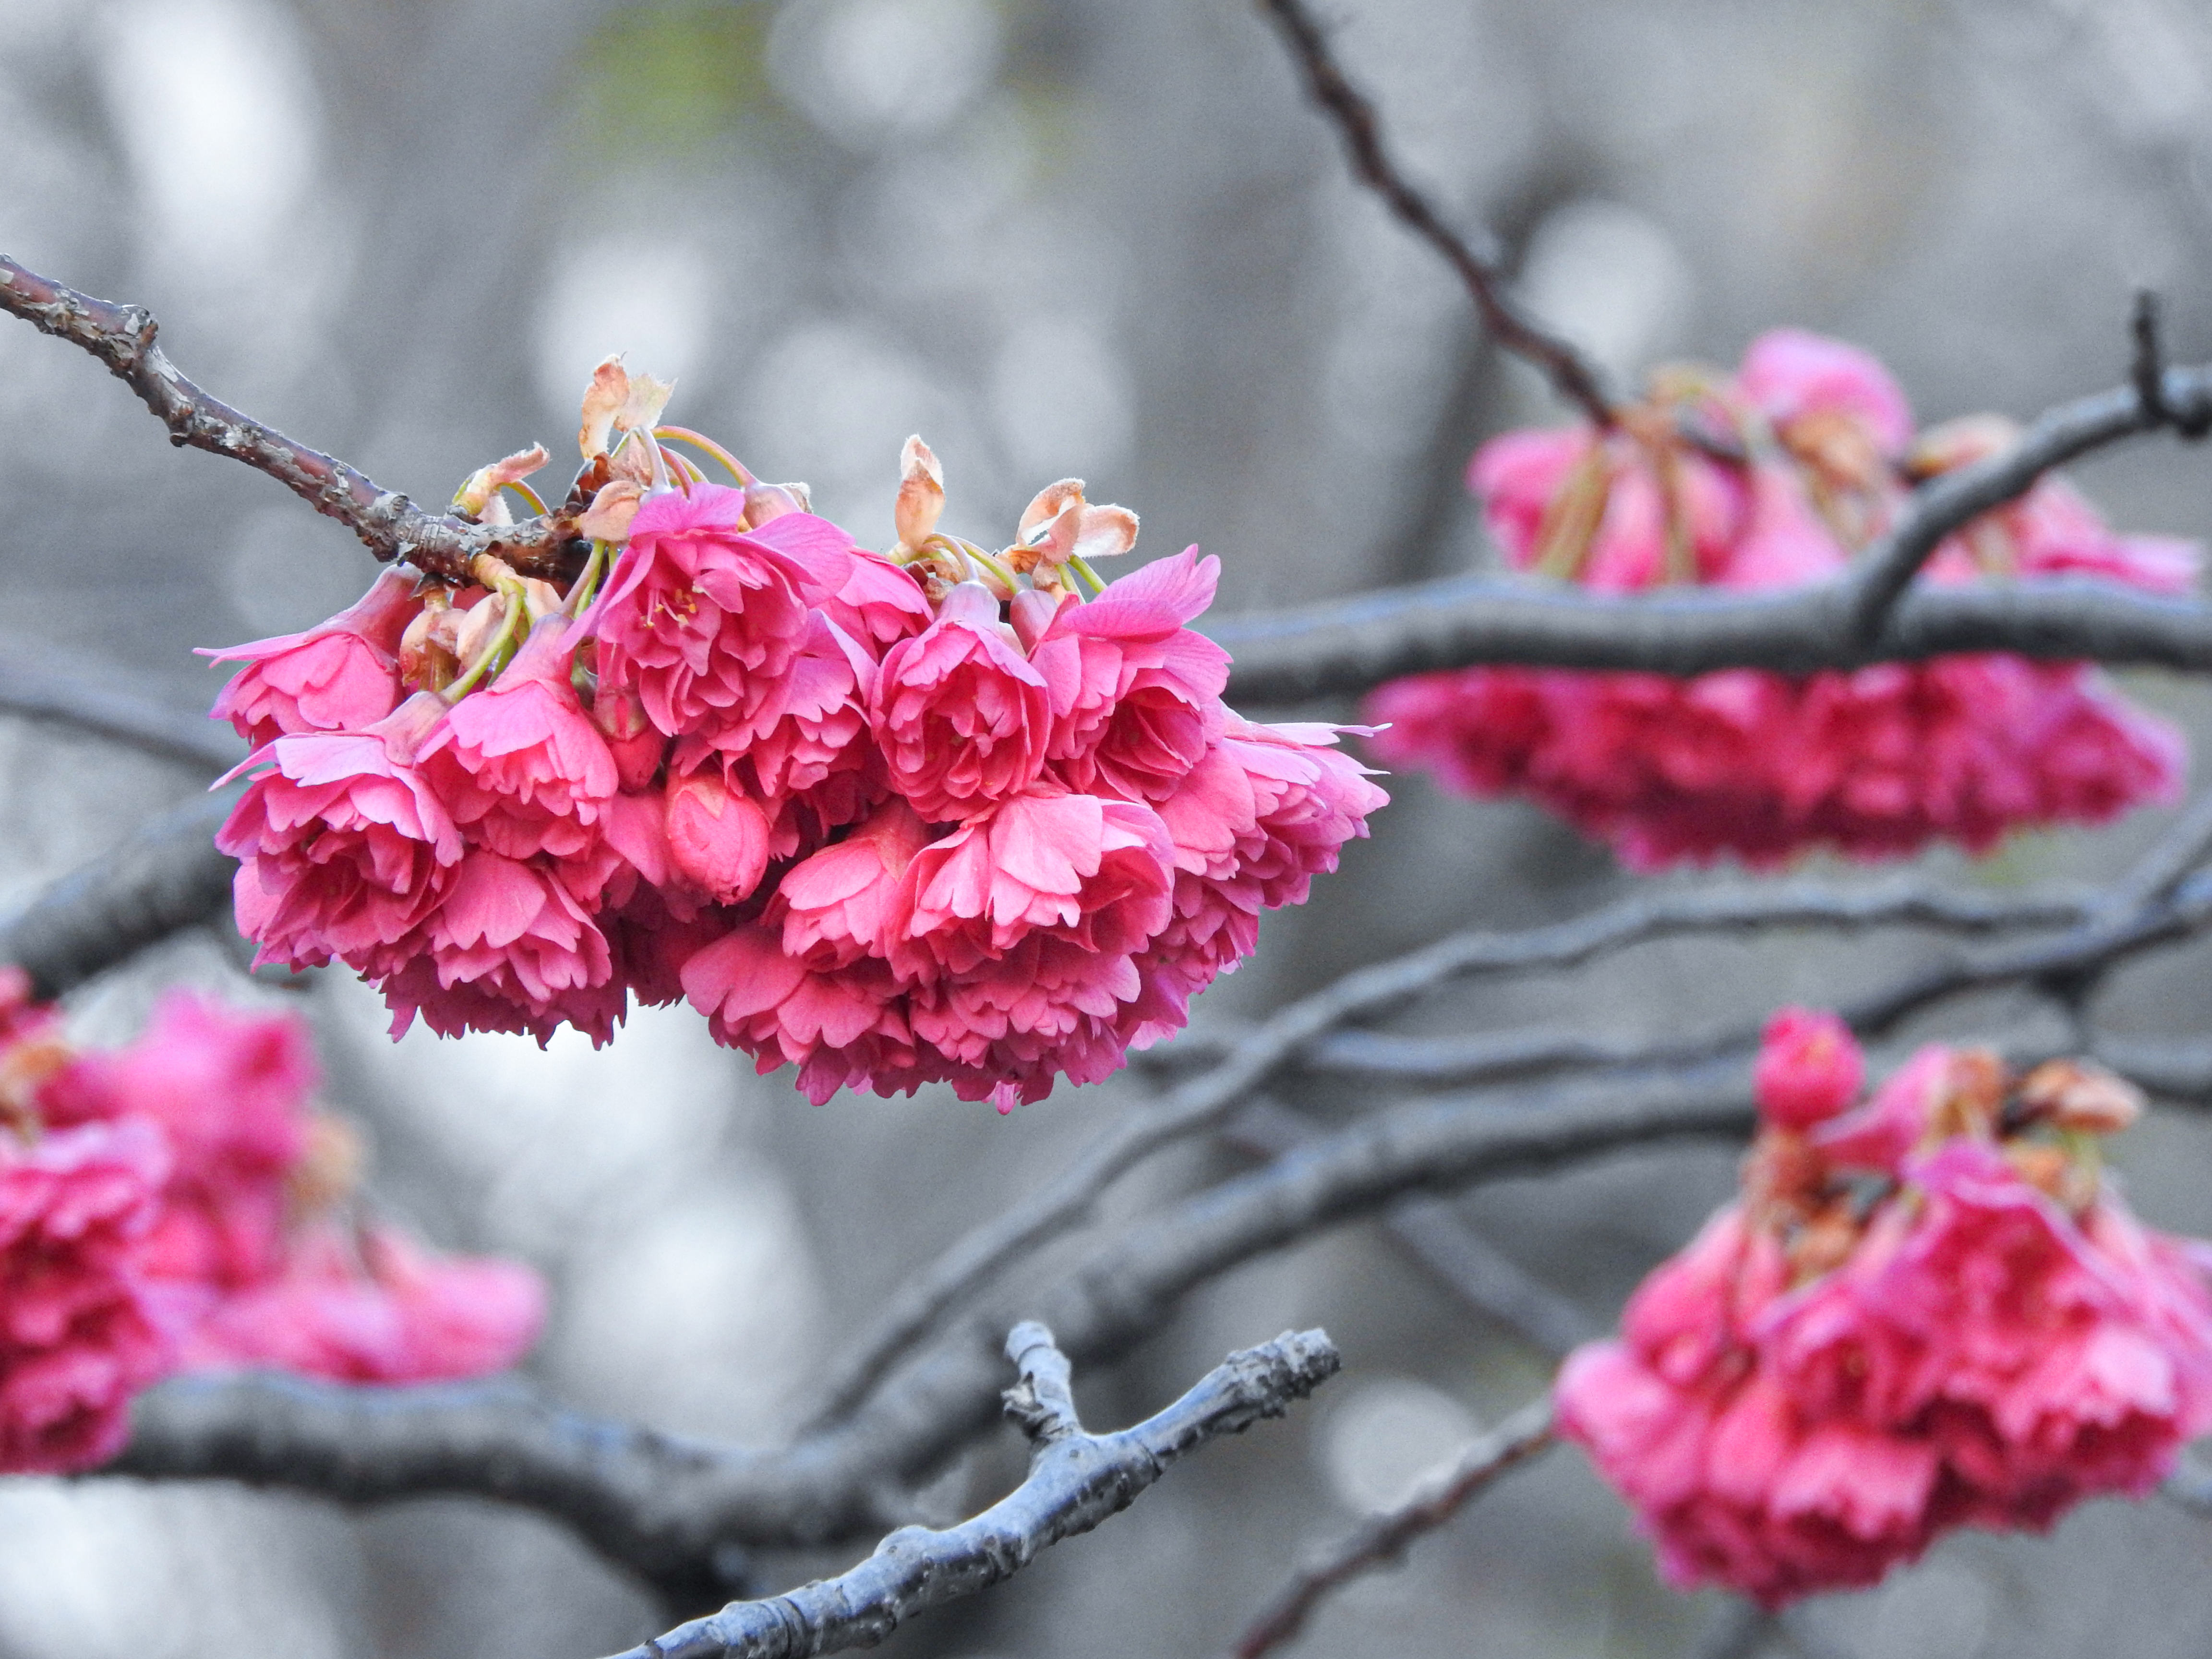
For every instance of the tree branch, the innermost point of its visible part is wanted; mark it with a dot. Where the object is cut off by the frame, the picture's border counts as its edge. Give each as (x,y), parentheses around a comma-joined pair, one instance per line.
(388,524)
(1075,1481)
(1203,1101)
(166,877)
(44,692)
(1383,1537)
(1355,119)
(1352,645)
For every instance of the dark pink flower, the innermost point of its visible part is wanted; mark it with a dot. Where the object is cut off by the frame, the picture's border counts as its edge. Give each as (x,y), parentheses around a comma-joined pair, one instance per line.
(1790,375)
(506,949)
(842,1026)
(1835,1372)
(345,850)
(77,1338)
(519,763)
(865,594)
(700,617)
(339,676)
(1136,696)
(963,718)
(1019,933)
(1809,1068)
(374,1307)
(229,1092)
(717,839)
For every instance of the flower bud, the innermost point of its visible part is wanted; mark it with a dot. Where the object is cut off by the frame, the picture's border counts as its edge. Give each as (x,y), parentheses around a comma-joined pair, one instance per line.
(2073,1094)
(1809,1068)
(716,838)
(636,744)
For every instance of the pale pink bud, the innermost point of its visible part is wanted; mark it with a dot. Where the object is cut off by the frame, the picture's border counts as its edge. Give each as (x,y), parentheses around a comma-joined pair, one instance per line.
(767,503)
(480,497)
(718,838)
(607,518)
(602,400)
(920,494)
(2076,1095)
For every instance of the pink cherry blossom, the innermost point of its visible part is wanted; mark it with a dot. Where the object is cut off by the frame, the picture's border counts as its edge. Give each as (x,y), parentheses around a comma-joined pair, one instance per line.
(1019,932)
(228,1090)
(338,675)
(345,849)
(700,617)
(717,839)
(519,763)
(1136,696)
(77,1337)
(1758,766)
(963,718)
(1833,1373)
(506,949)
(374,1307)
(1809,1068)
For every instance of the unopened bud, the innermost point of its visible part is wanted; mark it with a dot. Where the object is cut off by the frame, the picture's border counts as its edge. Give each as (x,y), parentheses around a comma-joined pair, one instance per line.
(767,503)
(920,494)
(637,746)
(1033,612)
(2074,1094)
(716,837)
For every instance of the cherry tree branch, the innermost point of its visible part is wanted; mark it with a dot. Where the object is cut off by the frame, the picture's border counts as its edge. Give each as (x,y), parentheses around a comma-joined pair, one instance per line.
(1383,1538)
(1868,615)
(1357,123)
(1076,1480)
(166,877)
(1204,1101)
(42,691)
(388,524)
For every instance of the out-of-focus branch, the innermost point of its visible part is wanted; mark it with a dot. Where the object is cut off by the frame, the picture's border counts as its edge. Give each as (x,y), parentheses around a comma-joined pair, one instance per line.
(1352,645)
(2156,397)
(1383,1537)
(1354,116)
(669,1509)
(166,877)
(44,692)
(1076,1480)
(1203,1101)
(1431,1232)
(388,524)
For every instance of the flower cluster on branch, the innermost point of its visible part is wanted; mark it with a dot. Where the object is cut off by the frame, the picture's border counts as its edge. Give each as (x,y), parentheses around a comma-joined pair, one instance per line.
(174,1206)
(932,816)
(1772,478)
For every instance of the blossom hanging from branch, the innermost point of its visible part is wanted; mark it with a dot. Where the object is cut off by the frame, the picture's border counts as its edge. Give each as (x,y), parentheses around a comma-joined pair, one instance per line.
(1931,1310)
(942,815)
(175,1204)
(1772,479)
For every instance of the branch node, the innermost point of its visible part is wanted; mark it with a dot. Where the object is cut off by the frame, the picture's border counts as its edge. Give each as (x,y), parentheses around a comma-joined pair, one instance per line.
(1043,1400)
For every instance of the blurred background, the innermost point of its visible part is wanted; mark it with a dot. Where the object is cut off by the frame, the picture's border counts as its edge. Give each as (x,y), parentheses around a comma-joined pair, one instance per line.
(1097,237)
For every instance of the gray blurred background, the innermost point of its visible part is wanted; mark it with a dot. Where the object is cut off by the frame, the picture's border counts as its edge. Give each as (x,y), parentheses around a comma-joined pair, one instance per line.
(1102,237)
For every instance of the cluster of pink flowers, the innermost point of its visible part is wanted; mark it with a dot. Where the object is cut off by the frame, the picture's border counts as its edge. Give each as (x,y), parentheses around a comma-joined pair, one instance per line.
(1773,478)
(1926,1311)
(170,1206)
(929,817)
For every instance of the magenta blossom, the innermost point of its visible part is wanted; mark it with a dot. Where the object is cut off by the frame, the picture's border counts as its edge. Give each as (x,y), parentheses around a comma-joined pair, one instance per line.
(1136,696)
(77,1338)
(963,719)
(339,676)
(699,618)
(1809,1068)
(374,1307)
(519,763)
(345,848)
(1934,1314)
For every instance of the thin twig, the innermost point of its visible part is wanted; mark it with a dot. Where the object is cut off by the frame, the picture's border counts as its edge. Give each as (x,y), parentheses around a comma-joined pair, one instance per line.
(1354,116)
(1201,1102)
(1383,1538)
(1075,1481)
(388,524)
